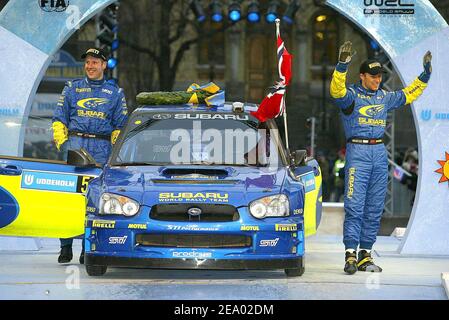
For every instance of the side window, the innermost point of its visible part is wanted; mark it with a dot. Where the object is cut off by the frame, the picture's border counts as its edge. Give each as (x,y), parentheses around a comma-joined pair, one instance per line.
(38,139)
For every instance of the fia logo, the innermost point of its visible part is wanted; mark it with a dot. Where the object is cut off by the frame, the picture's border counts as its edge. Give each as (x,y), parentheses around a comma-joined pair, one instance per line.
(426,115)
(29,179)
(53,5)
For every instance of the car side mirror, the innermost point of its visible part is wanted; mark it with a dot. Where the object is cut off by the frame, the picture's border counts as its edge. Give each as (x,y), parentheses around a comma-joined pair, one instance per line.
(298,157)
(81,158)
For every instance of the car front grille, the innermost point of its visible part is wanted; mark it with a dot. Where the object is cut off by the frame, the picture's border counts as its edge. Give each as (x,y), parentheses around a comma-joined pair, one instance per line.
(209,212)
(193,240)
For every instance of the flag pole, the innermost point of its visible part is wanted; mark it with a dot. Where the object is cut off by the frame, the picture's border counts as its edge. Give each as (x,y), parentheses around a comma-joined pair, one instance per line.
(278,31)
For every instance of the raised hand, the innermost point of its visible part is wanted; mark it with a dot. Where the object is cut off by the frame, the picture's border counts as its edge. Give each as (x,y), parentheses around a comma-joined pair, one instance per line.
(427,62)
(345,54)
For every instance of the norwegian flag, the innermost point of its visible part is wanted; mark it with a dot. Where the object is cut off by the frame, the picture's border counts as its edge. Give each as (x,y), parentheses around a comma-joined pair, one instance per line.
(399,173)
(273,105)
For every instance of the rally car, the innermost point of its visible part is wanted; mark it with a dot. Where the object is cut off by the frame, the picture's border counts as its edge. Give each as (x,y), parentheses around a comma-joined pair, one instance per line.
(186,187)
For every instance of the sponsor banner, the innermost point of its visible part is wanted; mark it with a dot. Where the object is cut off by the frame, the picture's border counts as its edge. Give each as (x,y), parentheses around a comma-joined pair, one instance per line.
(308,180)
(10,112)
(44,105)
(140,226)
(193,227)
(428,114)
(388,7)
(192,254)
(286,227)
(209,116)
(249,228)
(193,197)
(50,181)
(200,116)
(103,224)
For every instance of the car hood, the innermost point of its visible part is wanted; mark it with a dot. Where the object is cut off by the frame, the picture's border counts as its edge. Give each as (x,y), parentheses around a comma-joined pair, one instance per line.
(206,184)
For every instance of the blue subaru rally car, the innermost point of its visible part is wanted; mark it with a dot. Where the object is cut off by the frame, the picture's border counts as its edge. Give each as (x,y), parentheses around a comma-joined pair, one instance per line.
(165,201)
(186,187)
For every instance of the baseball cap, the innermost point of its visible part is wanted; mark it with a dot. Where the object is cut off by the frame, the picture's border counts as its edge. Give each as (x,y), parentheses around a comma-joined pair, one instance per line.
(372,67)
(95,52)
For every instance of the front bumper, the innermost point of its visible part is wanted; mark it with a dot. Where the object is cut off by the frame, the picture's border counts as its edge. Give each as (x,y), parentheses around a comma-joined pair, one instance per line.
(276,243)
(230,264)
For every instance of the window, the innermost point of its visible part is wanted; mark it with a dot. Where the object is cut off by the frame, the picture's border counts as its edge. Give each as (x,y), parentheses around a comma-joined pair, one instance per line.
(325,38)
(211,51)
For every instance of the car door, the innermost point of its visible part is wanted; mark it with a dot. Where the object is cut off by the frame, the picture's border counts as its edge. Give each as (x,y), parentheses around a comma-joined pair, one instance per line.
(42,198)
(310,175)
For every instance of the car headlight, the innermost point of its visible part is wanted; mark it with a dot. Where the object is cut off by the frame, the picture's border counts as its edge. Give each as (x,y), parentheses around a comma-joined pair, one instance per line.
(272,206)
(115,204)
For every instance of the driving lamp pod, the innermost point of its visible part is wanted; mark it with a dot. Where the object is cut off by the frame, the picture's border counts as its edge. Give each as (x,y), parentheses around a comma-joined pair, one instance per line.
(115,204)
(272,206)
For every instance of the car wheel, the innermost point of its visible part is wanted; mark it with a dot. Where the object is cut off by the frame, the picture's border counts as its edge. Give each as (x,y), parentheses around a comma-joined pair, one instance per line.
(296,272)
(96,271)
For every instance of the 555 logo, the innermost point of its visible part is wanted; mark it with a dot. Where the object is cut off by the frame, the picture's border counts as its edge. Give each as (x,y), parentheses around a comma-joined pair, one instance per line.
(53,5)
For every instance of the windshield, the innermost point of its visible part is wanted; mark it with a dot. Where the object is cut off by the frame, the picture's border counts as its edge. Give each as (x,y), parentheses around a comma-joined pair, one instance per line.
(187,141)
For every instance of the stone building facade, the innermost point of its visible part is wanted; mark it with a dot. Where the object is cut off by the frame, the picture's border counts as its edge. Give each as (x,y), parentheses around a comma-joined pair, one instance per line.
(248,68)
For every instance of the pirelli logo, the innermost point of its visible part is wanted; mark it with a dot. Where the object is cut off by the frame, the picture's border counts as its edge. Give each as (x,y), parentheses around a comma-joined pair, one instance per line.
(286,227)
(104,224)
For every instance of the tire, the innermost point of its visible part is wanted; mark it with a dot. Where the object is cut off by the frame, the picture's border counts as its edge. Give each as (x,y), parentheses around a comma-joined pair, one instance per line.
(296,272)
(96,271)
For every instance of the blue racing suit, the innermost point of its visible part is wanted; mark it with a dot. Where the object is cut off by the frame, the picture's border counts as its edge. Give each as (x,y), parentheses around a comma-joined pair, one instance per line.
(364,115)
(94,107)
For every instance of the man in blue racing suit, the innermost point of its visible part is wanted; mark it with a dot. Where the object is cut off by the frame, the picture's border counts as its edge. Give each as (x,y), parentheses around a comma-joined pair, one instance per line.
(89,115)
(363,109)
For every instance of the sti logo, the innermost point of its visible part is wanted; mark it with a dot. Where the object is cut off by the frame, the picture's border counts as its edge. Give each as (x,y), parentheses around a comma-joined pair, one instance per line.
(53,5)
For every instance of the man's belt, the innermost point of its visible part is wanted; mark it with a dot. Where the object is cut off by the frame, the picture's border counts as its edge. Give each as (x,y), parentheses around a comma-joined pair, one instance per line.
(365,141)
(90,135)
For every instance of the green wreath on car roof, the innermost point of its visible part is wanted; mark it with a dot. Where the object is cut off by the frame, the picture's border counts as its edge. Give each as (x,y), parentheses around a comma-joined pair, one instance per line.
(209,94)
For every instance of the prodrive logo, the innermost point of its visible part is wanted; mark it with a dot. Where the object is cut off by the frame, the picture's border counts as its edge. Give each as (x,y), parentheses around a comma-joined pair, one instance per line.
(192,254)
